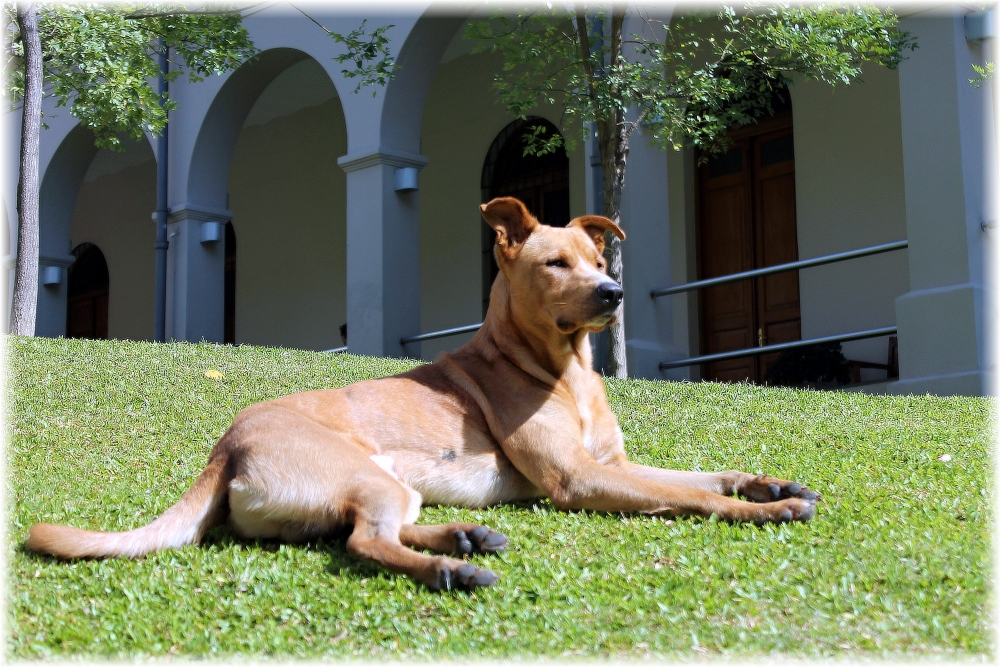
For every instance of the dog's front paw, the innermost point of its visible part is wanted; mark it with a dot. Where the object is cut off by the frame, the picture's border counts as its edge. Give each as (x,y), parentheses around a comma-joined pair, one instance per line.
(794,509)
(464,576)
(479,540)
(765,489)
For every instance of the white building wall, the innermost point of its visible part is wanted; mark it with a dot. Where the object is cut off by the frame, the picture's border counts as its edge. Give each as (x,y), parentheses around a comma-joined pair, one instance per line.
(849,156)
(849,194)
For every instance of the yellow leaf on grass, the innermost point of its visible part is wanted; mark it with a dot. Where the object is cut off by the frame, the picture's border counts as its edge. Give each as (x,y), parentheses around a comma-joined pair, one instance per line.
(214,374)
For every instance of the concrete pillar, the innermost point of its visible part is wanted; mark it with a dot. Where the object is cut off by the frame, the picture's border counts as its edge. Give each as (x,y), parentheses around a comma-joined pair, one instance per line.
(196,269)
(383,254)
(645,215)
(942,339)
(50,318)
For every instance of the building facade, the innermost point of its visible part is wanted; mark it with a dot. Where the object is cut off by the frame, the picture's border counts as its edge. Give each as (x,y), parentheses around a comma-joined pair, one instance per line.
(287,220)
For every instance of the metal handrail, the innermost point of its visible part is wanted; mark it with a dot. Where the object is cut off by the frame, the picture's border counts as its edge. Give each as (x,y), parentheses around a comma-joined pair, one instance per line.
(778,268)
(777,347)
(342,348)
(440,334)
(687,287)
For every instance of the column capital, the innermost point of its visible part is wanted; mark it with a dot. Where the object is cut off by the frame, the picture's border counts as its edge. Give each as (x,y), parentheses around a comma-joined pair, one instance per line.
(188,211)
(379,156)
(55,260)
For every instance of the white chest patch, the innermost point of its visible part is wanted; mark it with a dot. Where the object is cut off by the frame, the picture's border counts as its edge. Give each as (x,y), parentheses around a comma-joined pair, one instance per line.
(385,463)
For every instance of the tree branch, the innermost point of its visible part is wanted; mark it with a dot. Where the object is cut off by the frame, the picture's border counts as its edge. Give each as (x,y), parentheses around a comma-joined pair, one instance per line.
(211,12)
(588,67)
(300,11)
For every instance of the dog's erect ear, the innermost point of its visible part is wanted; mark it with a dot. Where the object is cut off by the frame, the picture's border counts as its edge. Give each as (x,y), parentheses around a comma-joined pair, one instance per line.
(511,221)
(595,226)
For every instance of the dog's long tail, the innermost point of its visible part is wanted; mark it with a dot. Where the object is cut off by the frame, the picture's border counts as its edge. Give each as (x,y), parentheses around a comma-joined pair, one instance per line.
(203,506)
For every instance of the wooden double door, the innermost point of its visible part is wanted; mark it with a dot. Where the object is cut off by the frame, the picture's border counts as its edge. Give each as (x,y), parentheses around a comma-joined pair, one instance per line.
(87,294)
(747,221)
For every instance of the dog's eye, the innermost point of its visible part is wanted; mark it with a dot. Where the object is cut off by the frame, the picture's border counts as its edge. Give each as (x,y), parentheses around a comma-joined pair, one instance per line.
(557,263)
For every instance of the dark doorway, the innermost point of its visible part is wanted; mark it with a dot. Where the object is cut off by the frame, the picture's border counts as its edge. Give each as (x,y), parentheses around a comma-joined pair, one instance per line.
(87,294)
(541,182)
(229,297)
(747,221)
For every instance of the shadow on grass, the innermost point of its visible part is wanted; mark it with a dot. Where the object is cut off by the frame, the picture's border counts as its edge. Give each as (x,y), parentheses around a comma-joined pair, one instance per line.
(341,563)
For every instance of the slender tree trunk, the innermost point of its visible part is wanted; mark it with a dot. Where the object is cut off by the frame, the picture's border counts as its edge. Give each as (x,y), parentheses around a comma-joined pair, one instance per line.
(612,138)
(26,273)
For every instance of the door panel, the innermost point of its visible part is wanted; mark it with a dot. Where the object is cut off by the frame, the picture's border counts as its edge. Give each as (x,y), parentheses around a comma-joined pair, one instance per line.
(778,317)
(87,294)
(747,220)
(728,245)
(81,318)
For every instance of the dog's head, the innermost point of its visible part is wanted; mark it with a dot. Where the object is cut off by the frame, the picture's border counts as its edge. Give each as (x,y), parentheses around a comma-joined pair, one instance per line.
(556,273)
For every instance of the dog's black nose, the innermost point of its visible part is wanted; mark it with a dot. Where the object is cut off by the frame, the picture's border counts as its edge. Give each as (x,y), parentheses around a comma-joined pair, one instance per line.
(610,293)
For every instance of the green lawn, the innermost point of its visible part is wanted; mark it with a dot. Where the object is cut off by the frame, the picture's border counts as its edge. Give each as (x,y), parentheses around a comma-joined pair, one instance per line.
(896,563)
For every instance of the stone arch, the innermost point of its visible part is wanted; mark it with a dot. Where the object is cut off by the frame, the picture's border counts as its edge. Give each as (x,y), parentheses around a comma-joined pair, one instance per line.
(61,186)
(288,203)
(57,195)
(196,267)
(406,93)
(220,129)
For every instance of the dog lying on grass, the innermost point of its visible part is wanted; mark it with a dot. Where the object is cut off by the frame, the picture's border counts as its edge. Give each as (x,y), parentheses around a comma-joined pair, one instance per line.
(516,413)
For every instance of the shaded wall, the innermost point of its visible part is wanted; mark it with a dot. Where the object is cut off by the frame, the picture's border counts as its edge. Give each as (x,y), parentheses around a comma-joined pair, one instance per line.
(288,196)
(114,210)
(849,194)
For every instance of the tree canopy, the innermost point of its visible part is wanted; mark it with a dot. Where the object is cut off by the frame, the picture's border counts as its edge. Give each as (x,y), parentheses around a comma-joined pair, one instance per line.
(100,60)
(688,79)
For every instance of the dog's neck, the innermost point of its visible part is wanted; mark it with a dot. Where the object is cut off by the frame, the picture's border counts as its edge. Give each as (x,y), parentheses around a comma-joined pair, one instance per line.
(537,347)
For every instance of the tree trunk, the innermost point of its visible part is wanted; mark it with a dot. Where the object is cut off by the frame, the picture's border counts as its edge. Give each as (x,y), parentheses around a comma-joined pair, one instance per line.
(614,150)
(26,273)
(612,138)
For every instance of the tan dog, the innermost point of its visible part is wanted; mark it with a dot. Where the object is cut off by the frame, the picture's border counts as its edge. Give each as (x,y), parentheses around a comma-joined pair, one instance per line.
(516,413)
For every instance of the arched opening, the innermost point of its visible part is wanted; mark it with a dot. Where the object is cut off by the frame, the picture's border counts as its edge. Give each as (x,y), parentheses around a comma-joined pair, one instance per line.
(57,195)
(229,283)
(540,181)
(289,200)
(746,220)
(112,212)
(87,294)
(101,197)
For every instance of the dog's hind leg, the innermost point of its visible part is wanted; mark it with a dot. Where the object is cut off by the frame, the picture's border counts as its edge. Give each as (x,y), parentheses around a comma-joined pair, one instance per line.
(379,512)
(453,538)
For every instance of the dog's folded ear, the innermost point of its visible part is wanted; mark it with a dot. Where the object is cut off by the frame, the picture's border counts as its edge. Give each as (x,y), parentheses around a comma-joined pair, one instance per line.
(595,226)
(511,221)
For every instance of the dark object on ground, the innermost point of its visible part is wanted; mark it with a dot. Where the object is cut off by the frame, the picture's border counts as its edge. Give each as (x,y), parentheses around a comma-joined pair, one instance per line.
(823,362)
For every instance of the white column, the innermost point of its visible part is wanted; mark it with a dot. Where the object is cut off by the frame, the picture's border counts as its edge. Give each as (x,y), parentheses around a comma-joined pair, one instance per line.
(196,268)
(645,216)
(383,254)
(941,333)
